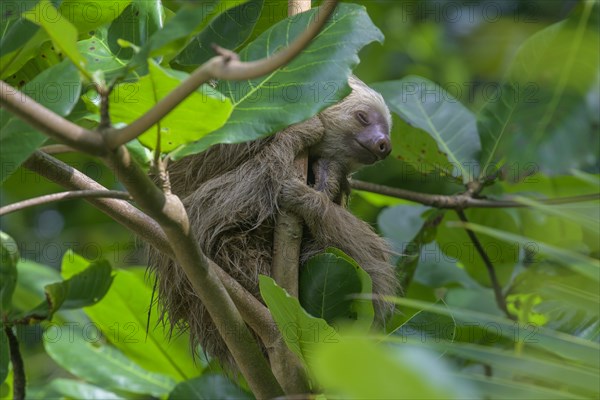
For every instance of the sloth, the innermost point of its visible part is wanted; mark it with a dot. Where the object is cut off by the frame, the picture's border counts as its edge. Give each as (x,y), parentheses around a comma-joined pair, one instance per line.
(233,194)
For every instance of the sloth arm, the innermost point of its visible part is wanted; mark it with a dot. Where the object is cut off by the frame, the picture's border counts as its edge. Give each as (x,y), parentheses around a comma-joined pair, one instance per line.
(329,223)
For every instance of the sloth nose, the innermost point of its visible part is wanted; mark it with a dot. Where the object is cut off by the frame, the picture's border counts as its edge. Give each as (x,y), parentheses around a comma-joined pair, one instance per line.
(382,147)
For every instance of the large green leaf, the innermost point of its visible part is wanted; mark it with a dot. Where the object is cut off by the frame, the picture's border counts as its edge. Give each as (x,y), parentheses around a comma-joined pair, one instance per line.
(140,20)
(122,316)
(202,112)
(300,330)
(56,88)
(427,106)
(361,306)
(312,81)
(104,365)
(229,30)
(327,284)
(208,387)
(9,256)
(330,287)
(539,116)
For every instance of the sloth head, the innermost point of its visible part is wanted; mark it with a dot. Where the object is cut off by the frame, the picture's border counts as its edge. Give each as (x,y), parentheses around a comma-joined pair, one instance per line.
(357,130)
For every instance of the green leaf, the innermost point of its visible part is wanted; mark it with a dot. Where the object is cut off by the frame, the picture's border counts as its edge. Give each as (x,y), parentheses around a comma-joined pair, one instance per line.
(358,368)
(4,355)
(82,289)
(122,315)
(315,79)
(86,15)
(136,24)
(327,284)
(56,88)
(175,33)
(208,387)
(539,116)
(19,39)
(229,30)
(104,366)
(427,106)
(61,31)
(30,286)
(300,330)
(361,306)
(411,145)
(202,112)
(73,389)
(9,257)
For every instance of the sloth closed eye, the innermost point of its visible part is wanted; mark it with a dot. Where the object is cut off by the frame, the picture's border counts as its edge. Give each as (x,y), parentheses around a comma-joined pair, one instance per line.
(362,117)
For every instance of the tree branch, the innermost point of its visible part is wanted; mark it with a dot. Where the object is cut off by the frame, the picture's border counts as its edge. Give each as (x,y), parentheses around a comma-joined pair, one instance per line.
(463,200)
(19,379)
(224,66)
(56,149)
(490,267)
(120,211)
(49,198)
(49,122)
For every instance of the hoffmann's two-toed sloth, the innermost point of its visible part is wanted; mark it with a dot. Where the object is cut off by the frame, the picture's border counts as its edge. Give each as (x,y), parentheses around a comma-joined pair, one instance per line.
(234,192)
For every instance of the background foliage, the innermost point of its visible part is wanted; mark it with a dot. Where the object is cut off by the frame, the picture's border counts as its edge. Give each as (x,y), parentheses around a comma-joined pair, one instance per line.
(505,90)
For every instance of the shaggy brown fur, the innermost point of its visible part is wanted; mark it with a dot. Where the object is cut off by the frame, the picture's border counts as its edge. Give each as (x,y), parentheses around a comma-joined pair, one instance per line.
(233,194)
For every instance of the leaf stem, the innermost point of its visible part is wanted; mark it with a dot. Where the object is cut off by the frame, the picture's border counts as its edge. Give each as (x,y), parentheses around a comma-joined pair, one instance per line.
(490,267)
(76,194)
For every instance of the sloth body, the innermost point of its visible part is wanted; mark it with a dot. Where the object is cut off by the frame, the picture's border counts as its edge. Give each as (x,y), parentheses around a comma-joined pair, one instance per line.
(233,194)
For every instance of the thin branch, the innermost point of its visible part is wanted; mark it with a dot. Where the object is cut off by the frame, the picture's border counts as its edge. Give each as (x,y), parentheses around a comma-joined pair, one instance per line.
(49,122)
(50,198)
(225,66)
(463,200)
(56,149)
(119,210)
(490,267)
(19,378)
